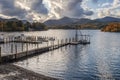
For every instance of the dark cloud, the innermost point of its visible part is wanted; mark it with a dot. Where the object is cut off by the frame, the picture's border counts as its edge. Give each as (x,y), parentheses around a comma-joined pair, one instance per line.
(8,8)
(88,13)
(95,1)
(39,7)
(74,3)
(75,9)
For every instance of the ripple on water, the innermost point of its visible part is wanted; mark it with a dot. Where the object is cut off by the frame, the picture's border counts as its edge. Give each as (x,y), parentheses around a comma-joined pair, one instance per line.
(98,61)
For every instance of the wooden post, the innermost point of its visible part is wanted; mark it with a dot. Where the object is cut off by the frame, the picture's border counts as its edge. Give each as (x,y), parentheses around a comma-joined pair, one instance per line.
(11,48)
(16,51)
(58,42)
(27,49)
(85,38)
(89,38)
(37,45)
(69,40)
(47,43)
(53,45)
(73,39)
(36,38)
(0,56)
(66,41)
(22,47)
(61,41)
(61,44)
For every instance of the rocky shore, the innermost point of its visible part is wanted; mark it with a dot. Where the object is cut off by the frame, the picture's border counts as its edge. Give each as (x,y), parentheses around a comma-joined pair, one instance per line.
(13,72)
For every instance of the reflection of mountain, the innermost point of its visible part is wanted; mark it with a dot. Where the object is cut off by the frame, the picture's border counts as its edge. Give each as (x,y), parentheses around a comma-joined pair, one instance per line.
(66,22)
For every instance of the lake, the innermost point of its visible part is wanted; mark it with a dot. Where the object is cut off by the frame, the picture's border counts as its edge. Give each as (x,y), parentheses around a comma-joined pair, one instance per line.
(99,60)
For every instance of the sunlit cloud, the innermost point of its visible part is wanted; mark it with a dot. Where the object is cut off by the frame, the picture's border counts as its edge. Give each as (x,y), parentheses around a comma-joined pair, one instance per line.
(42,10)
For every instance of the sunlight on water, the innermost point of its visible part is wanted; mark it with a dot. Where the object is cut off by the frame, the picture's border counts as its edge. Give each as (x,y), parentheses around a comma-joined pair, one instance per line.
(98,61)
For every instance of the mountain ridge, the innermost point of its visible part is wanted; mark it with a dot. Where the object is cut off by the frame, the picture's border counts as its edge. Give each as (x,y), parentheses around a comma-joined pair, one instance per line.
(70,21)
(12,19)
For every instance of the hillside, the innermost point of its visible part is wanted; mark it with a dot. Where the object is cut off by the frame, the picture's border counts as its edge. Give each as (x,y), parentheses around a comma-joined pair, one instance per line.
(20,25)
(62,21)
(112,27)
(68,23)
(108,19)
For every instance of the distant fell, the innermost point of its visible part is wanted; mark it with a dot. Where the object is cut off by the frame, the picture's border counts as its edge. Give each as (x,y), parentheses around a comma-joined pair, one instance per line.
(70,21)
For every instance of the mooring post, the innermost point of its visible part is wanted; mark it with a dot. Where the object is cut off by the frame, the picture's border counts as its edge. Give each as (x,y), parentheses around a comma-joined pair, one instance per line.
(70,40)
(89,38)
(73,39)
(0,56)
(61,42)
(58,42)
(47,43)
(85,37)
(16,51)
(27,49)
(66,41)
(45,37)
(11,48)
(53,44)
(22,47)
(36,38)
(50,44)
(37,45)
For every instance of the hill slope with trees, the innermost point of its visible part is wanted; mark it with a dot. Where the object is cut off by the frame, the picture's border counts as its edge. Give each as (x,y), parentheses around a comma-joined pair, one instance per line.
(112,27)
(20,25)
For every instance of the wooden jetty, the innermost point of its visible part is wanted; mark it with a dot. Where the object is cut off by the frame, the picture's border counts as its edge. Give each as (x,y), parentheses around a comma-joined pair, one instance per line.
(24,39)
(85,39)
(19,55)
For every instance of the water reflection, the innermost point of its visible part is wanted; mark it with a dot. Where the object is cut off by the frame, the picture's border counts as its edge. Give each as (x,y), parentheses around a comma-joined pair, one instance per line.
(98,61)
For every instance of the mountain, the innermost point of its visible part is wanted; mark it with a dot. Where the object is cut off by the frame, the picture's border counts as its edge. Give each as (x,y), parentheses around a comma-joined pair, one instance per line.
(62,21)
(1,19)
(70,21)
(13,19)
(83,21)
(108,19)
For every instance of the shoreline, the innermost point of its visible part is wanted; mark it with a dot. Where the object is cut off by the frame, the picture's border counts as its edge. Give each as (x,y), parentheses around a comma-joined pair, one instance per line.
(13,72)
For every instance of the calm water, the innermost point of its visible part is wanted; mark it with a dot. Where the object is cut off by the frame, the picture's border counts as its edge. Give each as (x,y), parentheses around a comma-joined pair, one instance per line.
(98,61)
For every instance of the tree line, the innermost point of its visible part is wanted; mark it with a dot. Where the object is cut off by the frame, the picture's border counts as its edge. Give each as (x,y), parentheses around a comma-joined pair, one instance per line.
(21,26)
(112,27)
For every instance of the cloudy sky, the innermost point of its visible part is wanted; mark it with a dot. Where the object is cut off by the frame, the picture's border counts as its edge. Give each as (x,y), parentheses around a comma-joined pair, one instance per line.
(41,10)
